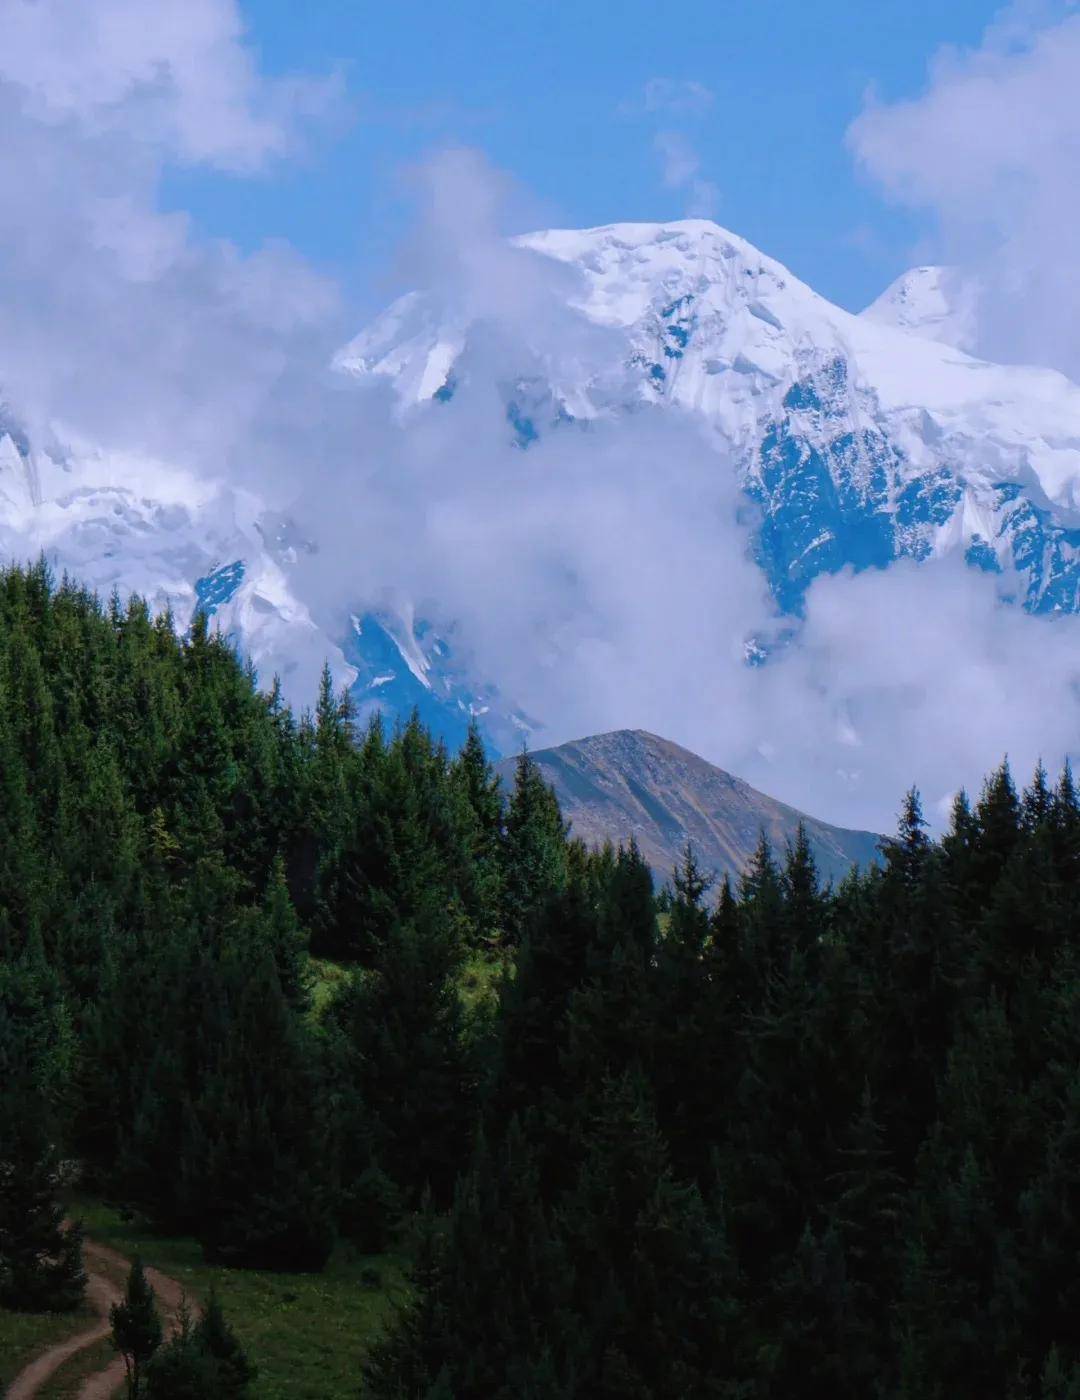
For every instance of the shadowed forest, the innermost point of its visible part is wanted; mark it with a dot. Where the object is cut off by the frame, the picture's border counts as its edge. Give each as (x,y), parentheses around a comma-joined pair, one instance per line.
(291,988)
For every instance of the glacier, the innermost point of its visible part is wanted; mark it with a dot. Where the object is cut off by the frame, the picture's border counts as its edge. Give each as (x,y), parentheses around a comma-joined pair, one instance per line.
(856,440)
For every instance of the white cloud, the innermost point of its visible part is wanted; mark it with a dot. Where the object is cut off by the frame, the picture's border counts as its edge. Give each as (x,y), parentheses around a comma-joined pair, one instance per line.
(682,97)
(991,149)
(177,75)
(679,160)
(681,104)
(681,170)
(112,316)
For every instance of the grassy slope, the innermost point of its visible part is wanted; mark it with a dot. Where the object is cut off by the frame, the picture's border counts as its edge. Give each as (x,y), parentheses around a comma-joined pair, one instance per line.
(306,1333)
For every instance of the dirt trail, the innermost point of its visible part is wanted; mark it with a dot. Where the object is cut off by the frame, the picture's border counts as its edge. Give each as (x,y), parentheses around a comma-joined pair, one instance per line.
(101,1295)
(103,1267)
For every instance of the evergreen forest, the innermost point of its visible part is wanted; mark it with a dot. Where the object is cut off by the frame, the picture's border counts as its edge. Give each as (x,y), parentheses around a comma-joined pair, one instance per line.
(758,1141)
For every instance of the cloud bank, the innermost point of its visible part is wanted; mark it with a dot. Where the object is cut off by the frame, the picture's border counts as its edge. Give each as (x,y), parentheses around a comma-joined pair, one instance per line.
(991,150)
(602,578)
(112,315)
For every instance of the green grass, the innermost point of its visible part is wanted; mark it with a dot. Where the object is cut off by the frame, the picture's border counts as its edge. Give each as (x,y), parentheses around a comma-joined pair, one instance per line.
(327,978)
(480,978)
(24,1335)
(307,1333)
(479,981)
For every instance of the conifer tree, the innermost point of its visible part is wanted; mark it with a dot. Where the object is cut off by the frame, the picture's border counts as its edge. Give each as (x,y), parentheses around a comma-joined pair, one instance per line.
(233,1372)
(256,1170)
(655,1291)
(200,1359)
(179,1368)
(481,791)
(40,1258)
(761,896)
(535,866)
(801,885)
(415,1084)
(41,1268)
(276,927)
(136,1327)
(551,966)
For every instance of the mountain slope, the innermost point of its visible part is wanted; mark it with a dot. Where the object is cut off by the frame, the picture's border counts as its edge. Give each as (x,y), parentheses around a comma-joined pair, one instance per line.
(633,784)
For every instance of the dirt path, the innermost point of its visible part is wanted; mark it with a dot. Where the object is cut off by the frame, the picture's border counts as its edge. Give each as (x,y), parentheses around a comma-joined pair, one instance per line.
(104,1267)
(101,1295)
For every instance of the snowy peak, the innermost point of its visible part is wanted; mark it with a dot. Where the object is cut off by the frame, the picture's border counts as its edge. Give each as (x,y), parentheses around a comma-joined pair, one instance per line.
(630,270)
(710,321)
(686,301)
(408,344)
(930,302)
(862,439)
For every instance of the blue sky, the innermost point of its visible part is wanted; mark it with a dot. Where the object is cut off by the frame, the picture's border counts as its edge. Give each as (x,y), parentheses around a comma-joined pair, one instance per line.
(554,93)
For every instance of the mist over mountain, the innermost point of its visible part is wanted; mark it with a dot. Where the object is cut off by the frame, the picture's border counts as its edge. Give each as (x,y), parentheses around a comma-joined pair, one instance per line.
(639,475)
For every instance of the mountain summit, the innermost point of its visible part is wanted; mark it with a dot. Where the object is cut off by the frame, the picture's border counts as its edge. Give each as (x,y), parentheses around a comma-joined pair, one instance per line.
(632,784)
(862,439)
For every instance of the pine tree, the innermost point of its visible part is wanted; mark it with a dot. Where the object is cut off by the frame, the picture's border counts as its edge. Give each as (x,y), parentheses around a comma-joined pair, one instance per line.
(906,854)
(655,1287)
(179,1369)
(410,1358)
(415,1084)
(535,866)
(1038,801)
(233,1372)
(276,927)
(136,1327)
(200,1360)
(481,790)
(762,899)
(550,967)
(256,1177)
(610,1022)
(866,1215)
(41,1267)
(690,1028)
(40,1259)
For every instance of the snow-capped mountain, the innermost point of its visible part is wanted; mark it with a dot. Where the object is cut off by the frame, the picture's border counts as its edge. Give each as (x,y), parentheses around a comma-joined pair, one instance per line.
(930,301)
(138,525)
(115,521)
(862,439)
(858,440)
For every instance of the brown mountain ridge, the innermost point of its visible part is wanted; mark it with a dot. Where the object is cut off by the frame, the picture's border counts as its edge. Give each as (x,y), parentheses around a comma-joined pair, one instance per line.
(631,783)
